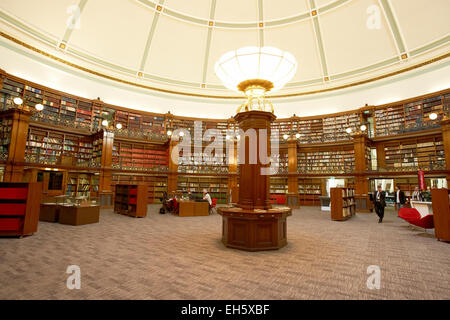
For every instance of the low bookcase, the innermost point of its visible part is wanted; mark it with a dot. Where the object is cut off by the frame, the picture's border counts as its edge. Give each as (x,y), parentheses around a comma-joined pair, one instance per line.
(19,208)
(131,200)
(343,204)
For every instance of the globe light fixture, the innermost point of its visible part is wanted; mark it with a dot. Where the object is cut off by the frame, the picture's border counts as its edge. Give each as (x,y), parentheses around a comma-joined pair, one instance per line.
(119,126)
(105,123)
(433,116)
(169,132)
(348,130)
(18,101)
(285,136)
(363,127)
(39,107)
(182,134)
(297,135)
(256,71)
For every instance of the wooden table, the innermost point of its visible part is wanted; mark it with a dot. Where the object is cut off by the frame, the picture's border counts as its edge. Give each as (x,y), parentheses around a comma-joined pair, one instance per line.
(193,208)
(79,215)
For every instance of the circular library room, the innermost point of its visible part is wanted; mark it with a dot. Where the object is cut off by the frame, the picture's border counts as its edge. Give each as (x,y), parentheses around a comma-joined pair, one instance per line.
(224,150)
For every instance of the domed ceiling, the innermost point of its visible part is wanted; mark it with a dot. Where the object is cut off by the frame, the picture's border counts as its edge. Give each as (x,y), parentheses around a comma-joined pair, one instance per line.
(173,45)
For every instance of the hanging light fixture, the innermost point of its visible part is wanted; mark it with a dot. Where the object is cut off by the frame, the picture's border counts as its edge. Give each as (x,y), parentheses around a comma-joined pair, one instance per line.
(105,123)
(119,126)
(39,107)
(348,130)
(256,71)
(297,135)
(433,116)
(363,127)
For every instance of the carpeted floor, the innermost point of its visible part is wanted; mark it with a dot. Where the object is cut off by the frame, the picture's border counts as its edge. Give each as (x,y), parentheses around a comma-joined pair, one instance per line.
(170,257)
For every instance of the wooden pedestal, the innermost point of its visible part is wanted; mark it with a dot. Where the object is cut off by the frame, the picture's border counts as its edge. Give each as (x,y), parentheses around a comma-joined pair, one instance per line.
(254,230)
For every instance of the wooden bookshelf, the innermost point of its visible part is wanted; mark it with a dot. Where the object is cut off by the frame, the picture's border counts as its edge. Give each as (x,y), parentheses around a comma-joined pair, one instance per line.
(441,213)
(82,185)
(131,200)
(343,205)
(5,137)
(200,163)
(278,185)
(157,184)
(331,161)
(140,157)
(412,154)
(309,191)
(216,185)
(19,208)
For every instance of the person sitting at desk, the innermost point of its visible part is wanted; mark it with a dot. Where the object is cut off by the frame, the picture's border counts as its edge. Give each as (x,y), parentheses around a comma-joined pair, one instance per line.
(190,195)
(207,197)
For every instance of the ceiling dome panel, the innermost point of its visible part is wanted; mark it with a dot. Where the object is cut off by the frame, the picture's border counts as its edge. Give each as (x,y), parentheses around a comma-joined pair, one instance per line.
(279,9)
(237,10)
(422,21)
(181,44)
(194,8)
(354,43)
(114,32)
(47,15)
(304,48)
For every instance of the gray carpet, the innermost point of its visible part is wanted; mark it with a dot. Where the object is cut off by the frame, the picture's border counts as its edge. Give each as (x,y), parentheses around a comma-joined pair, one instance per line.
(170,257)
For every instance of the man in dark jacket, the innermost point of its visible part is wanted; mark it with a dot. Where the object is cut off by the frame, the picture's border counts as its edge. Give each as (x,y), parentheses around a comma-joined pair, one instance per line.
(379,201)
(400,198)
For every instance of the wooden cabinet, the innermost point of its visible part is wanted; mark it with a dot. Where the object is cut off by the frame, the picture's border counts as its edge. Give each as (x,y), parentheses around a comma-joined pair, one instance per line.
(441,213)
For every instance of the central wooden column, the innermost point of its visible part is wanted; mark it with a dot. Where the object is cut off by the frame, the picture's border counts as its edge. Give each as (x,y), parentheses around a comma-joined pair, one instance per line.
(253,224)
(362,197)
(254,188)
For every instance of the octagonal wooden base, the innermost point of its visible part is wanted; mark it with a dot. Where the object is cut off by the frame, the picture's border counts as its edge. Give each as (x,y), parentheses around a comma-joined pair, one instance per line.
(254,230)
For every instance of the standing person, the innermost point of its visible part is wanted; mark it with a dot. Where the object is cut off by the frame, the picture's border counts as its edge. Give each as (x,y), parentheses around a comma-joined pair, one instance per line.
(416,196)
(379,201)
(426,195)
(399,199)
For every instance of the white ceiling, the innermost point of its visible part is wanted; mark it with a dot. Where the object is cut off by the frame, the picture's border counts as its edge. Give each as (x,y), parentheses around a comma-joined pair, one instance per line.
(175,48)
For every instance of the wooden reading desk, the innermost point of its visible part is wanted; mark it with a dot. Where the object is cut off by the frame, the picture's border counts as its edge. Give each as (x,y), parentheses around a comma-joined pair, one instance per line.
(189,208)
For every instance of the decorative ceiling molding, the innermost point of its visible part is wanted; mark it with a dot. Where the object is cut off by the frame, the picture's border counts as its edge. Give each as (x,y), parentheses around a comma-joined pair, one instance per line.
(395,29)
(212,13)
(319,40)
(69,30)
(242,25)
(111,78)
(260,23)
(150,38)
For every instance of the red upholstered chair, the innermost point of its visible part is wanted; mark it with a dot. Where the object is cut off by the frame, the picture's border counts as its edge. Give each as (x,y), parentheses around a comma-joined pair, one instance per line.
(413,217)
(213,204)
